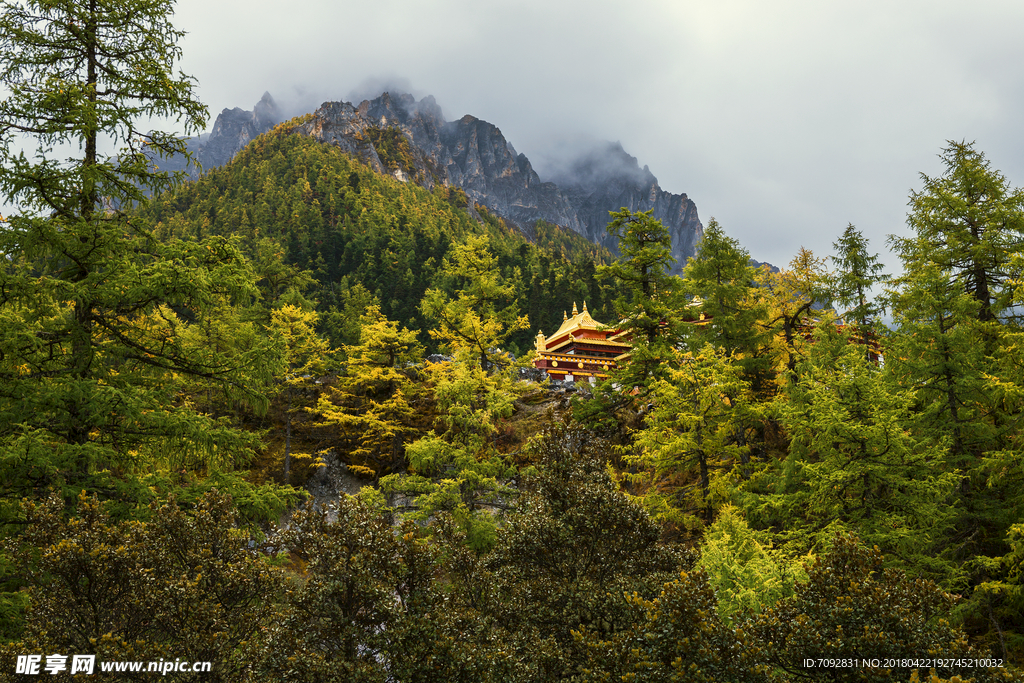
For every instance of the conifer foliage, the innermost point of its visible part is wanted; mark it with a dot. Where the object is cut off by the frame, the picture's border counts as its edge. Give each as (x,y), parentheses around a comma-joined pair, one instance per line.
(102,324)
(821,486)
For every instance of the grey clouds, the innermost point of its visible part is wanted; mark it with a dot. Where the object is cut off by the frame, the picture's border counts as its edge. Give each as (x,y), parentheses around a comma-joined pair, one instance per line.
(783,119)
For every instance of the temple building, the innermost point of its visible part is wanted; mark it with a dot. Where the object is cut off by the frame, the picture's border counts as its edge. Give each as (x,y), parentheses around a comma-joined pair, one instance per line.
(581,350)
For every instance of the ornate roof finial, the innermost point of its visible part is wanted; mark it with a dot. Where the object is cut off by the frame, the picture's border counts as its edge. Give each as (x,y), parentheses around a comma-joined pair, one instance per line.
(564,317)
(585,306)
(574,311)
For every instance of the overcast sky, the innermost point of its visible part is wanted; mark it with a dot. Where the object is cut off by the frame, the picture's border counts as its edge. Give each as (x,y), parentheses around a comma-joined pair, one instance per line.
(783,119)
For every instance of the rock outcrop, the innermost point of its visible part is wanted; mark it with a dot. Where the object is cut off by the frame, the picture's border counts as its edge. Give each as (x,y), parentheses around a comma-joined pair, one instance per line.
(232,131)
(236,128)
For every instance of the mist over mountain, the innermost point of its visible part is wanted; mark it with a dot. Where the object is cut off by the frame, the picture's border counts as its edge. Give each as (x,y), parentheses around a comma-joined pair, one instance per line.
(411,139)
(603,177)
(232,131)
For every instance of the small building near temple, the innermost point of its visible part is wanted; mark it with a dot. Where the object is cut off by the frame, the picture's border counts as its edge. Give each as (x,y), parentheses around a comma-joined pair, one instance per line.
(581,349)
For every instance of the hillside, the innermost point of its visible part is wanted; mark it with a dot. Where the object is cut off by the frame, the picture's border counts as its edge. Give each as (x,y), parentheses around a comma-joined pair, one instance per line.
(357,230)
(411,140)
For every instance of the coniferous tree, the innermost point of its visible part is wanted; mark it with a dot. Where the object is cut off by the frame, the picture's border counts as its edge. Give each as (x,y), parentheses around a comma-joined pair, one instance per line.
(306,356)
(721,283)
(951,307)
(747,573)
(648,316)
(648,312)
(850,287)
(686,451)
(373,402)
(789,299)
(100,321)
(854,466)
(968,223)
(957,346)
(483,315)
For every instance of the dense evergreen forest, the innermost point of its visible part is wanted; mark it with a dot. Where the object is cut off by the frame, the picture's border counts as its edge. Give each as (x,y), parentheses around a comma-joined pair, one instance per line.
(316,222)
(777,486)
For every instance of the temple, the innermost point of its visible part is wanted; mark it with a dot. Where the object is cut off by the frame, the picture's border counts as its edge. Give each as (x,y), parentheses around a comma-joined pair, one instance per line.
(582,348)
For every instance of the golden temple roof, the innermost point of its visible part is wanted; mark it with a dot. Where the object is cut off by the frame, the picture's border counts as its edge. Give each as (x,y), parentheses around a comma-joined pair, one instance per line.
(578,321)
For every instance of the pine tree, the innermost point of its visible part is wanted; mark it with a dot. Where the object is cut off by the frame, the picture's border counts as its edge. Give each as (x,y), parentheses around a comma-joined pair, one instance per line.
(951,307)
(306,357)
(958,347)
(648,312)
(790,300)
(101,320)
(721,284)
(854,466)
(968,223)
(850,287)
(373,402)
(686,448)
(483,315)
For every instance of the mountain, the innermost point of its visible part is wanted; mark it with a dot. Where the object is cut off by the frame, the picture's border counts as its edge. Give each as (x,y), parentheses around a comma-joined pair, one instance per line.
(605,178)
(314,219)
(232,131)
(411,140)
(236,128)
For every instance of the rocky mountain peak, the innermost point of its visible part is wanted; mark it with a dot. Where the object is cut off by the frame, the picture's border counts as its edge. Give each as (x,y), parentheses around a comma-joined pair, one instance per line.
(474,155)
(232,131)
(266,113)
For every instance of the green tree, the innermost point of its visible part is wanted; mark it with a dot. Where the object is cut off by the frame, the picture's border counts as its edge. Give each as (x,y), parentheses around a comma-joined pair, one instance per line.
(850,287)
(380,603)
(853,465)
(728,310)
(958,347)
(86,75)
(721,282)
(306,356)
(747,574)
(853,608)
(570,558)
(686,449)
(789,299)
(956,285)
(968,223)
(339,620)
(183,584)
(648,312)
(100,320)
(455,467)
(678,636)
(373,403)
(482,315)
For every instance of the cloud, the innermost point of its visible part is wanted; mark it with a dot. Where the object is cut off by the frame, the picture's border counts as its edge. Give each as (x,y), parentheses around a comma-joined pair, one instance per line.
(786,120)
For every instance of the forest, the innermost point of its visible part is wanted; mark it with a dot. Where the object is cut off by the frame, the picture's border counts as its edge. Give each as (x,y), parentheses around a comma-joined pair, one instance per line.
(809,474)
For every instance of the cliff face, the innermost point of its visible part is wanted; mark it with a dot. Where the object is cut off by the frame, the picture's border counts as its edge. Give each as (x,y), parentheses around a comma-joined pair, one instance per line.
(233,130)
(236,128)
(474,155)
(605,178)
